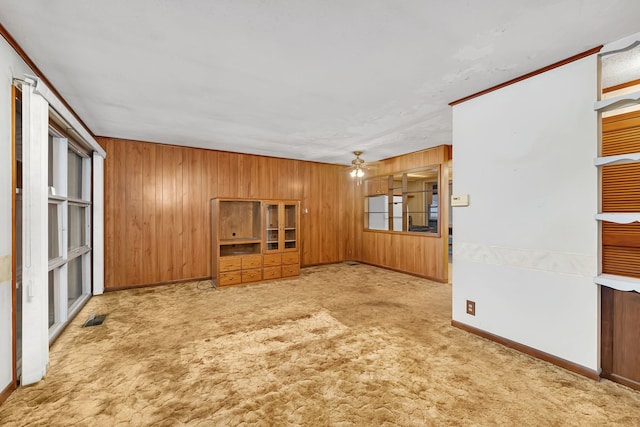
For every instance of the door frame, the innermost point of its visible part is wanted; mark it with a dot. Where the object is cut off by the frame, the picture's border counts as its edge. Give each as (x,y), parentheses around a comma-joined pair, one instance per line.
(14,183)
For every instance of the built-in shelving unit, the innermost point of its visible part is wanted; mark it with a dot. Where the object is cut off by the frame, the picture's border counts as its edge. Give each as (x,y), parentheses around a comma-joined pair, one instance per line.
(249,238)
(619,225)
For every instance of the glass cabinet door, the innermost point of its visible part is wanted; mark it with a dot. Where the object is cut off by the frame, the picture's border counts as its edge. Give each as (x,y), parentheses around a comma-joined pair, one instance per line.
(272,228)
(281,226)
(290,226)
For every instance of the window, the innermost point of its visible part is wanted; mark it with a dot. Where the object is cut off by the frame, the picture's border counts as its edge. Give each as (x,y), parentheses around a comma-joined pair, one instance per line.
(69,229)
(404,202)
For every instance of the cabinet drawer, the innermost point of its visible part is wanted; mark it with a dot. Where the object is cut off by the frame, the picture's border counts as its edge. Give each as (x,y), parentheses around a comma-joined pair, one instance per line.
(230,263)
(291,258)
(290,270)
(251,261)
(272,273)
(251,275)
(232,278)
(272,260)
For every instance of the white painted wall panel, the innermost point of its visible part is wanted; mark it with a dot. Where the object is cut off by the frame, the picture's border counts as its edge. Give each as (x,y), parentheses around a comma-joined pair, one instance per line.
(526,248)
(35,289)
(98,224)
(10,66)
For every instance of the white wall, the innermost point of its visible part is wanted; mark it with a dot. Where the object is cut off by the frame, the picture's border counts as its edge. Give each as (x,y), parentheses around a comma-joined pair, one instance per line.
(10,66)
(525,250)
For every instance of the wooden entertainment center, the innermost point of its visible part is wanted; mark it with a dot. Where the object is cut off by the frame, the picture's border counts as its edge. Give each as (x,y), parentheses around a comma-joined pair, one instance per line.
(254,240)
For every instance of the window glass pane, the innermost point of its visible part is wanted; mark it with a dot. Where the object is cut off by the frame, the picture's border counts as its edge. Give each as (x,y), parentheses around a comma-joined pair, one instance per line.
(422,200)
(377,211)
(395,207)
(54,232)
(74,271)
(74,175)
(76,227)
(52,308)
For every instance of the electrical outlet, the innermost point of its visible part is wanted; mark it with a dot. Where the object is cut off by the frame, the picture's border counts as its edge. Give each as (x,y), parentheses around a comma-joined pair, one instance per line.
(471,307)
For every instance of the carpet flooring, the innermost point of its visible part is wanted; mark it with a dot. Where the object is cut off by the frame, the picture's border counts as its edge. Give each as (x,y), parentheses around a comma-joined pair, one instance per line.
(339,346)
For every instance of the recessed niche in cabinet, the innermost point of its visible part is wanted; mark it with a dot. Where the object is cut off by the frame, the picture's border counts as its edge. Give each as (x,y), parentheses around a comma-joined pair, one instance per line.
(239,220)
(228,249)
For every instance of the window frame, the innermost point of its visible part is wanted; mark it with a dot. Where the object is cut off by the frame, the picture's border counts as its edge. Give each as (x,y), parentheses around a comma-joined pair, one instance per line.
(62,146)
(397,191)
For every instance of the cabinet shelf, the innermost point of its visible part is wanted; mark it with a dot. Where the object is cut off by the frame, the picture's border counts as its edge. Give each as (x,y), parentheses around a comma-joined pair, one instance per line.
(617,102)
(239,241)
(621,283)
(617,160)
(619,217)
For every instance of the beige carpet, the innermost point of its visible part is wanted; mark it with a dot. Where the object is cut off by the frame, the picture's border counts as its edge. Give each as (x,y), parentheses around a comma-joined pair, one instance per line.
(341,345)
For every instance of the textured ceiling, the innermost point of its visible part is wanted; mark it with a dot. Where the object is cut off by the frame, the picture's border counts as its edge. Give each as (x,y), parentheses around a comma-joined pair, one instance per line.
(312,80)
(621,67)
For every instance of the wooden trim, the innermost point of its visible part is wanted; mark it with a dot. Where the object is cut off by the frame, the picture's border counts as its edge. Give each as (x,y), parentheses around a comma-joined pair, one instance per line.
(433,279)
(18,49)
(402,233)
(529,75)
(570,366)
(621,86)
(150,285)
(102,140)
(410,273)
(319,264)
(14,183)
(622,380)
(6,392)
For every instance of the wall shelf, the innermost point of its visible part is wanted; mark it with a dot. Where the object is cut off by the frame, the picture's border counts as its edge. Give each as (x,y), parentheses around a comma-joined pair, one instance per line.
(617,160)
(619,217)
(621,283)
(617,102)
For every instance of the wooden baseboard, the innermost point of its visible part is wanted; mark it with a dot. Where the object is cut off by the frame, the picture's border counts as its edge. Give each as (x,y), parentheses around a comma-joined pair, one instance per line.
(410,273)
(6,392)
(150,285)
(570,366)
(323,263)
(622,380)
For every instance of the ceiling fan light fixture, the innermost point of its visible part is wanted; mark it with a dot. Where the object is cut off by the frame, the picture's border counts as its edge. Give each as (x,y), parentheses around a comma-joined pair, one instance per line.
(357,168)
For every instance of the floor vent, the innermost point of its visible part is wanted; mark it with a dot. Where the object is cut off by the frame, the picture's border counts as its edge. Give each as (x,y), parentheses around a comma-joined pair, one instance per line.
(95,320)
(352,263)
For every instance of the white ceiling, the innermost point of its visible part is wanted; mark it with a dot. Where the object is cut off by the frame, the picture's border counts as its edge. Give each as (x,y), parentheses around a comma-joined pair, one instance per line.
(312,80)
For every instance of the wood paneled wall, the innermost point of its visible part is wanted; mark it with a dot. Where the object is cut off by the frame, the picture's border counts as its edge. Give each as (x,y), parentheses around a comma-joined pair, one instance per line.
(426,256)
(157,207)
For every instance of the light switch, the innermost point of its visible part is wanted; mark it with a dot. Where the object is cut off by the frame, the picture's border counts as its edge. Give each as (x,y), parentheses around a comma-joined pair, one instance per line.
(460,200)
